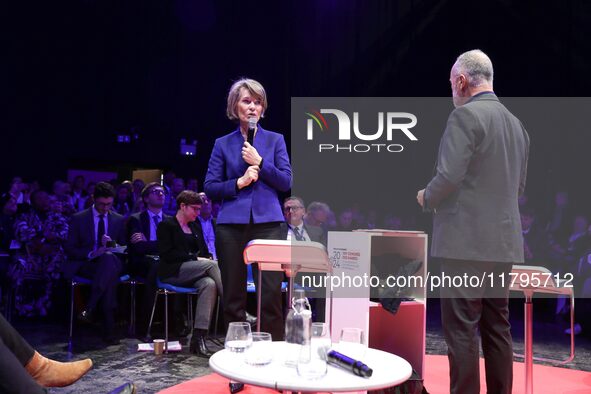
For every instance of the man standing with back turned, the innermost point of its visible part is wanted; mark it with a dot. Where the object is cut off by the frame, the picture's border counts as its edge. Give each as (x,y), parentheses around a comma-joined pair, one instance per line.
(481,171)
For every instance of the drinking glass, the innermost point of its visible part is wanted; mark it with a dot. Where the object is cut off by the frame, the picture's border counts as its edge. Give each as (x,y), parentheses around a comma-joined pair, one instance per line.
(261,350)
(352,343)
(239,337)
(312,360)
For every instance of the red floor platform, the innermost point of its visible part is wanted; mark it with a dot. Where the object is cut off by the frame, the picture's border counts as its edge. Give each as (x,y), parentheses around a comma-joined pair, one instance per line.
(547,380)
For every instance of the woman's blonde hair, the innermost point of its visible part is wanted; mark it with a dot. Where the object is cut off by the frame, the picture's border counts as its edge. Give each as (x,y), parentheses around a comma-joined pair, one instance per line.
(254,88)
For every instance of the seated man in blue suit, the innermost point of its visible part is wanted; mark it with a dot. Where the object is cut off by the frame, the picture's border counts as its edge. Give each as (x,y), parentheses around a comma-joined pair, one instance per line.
(89,251)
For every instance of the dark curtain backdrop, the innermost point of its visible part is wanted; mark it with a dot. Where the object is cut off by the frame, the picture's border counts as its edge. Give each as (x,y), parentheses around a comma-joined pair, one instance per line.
(77,73)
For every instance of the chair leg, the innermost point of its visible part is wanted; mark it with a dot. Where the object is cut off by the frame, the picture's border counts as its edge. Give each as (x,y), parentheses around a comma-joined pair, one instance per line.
(217,316)
(152,315)
(131,328)
(165,321)
(190,314)
(72,286)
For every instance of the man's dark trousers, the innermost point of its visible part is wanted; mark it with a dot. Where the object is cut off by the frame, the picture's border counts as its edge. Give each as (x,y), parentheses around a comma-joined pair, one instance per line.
(466,309)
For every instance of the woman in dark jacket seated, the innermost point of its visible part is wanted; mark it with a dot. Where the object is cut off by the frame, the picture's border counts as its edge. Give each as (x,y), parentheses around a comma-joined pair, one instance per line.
(185,261)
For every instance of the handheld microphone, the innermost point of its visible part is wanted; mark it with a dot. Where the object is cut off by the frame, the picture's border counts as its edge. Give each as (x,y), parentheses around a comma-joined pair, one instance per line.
(252,124)
(347,363)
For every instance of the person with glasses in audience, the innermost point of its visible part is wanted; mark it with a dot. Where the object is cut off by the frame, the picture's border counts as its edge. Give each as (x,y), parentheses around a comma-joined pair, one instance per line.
(143,245)
(92,235)
(296,230)
(185,261)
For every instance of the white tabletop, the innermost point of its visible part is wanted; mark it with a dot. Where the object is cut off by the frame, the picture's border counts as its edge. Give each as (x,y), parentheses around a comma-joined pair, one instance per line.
(388,370)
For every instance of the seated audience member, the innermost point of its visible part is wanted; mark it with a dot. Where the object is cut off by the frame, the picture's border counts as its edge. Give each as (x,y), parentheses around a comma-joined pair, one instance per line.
(90,192)
(567,252)
(139,206)
(167,179)
(143,245)
(62,191)
(346,221)
(137,185)
(79,195)
(177,186)
(535,243)
(24,371)
(185,261)
(41,232)
(295,229)
(122,204)
(208,224)
(89,252)
(557,227)
(193,185)
(18,190)
(318,215)
(7,218)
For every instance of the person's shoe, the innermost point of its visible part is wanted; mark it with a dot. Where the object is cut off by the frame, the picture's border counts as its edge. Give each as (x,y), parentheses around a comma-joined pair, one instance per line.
(199,347)
(86,316)
(250,319)
(127,388)
(50,373)
(577,329)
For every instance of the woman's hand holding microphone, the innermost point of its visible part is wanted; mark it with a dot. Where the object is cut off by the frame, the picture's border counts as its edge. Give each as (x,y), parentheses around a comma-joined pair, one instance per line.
(251,156)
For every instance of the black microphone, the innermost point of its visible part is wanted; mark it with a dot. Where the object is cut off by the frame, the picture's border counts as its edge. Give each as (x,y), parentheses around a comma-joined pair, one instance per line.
(354,366)
(252,124)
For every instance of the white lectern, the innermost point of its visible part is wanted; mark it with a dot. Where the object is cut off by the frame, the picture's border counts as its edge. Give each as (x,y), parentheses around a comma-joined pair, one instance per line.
(351,254)
(292,257)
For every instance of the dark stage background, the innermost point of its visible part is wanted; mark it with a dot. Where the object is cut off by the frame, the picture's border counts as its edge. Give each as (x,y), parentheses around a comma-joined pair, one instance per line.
(75,74)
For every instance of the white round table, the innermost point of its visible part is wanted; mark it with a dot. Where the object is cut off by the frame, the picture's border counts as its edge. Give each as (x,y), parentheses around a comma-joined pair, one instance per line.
(388,370)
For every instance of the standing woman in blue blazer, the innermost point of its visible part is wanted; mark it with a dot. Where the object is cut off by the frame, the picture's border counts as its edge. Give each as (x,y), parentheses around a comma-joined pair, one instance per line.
(247,179)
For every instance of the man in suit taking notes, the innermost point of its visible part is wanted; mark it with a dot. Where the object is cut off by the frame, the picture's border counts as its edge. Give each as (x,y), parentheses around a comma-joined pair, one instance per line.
(89,250)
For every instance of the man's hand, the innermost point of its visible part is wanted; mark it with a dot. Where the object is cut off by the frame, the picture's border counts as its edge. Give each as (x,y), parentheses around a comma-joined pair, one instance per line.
(250,154)
(421,198)
(250,175)
(105,239)
(137,237)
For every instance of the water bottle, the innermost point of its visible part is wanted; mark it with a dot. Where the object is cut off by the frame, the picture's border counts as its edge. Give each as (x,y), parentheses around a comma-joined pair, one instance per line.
(297,327)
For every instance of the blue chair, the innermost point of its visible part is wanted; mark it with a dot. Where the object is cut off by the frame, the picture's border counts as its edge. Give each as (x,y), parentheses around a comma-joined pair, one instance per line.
(78,280)
(134,281)
(251,287)
(166,289)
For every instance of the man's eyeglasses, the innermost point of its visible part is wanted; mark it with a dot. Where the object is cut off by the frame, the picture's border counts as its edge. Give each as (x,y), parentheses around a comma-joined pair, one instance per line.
(292,209)
(158,192)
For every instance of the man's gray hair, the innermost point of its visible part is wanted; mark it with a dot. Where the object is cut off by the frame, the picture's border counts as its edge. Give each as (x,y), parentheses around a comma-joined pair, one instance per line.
(295,198)
(476,66)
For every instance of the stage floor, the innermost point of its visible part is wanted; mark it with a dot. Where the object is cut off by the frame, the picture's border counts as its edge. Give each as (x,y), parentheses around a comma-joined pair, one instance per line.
(115,365)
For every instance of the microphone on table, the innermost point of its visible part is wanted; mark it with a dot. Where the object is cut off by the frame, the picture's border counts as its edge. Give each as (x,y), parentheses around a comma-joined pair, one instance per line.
(354,366)
(252,124)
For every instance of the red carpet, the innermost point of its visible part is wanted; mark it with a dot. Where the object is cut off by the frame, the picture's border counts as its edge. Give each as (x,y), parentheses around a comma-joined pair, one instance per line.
(547,380)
